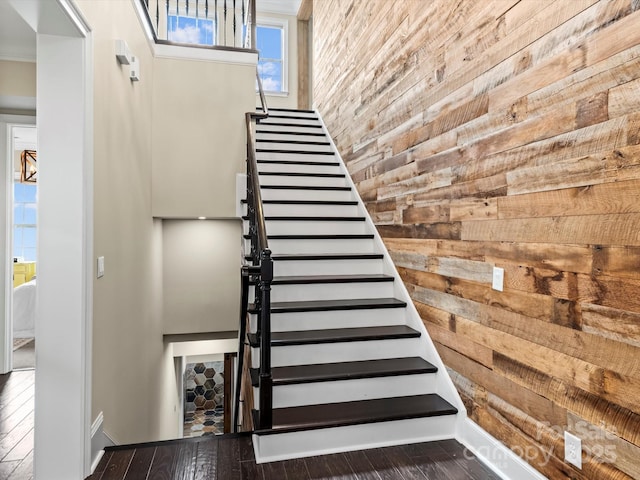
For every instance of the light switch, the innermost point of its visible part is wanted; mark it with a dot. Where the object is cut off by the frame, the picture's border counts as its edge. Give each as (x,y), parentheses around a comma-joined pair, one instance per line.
(498,279)
(100,267)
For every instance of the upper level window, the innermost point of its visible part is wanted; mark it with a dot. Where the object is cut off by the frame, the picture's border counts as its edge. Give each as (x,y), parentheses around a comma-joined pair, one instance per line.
(24,221)
(191,30)
(272,47)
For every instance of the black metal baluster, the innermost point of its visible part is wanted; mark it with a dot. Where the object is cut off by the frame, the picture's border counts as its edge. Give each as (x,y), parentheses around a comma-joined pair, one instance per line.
(197,9)
(187,2)
(215,12)
(234,23)
(225,22)
(167,4)
(157,16)
(177,8)
(266,380)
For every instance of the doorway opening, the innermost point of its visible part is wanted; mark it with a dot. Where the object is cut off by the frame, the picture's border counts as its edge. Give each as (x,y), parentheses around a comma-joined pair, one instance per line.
(22,212)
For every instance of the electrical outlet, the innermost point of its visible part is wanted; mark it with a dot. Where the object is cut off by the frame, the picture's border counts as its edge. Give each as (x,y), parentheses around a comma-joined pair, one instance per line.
(573,449)
(100,267)
(498,279)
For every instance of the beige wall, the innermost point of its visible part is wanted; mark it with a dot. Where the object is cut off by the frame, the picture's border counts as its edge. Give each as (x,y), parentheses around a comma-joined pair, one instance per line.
(198,138)
(201,275)
(506,133)
(291,99)
(128,353)
(17,78)
(18,83)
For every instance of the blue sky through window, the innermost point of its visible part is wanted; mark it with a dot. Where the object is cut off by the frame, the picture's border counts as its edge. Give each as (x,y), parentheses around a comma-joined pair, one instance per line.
(193,30)
(24,221)
(270,65)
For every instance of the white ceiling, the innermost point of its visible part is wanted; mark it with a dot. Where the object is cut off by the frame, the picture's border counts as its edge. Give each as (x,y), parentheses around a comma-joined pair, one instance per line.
(285,7)
(17,39)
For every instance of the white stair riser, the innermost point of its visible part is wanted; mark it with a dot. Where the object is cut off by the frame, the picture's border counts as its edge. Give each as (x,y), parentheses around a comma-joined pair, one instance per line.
(290,227)
(278,128)
(302,181)
(295,168)
(286,113)
(339,352)
(322,246)
(285,209)
(294,138)
(302,194)
(329,291)
(294,146)
(289,322)
(269,448)
(327,267)
(297,121)
(312,210)
(350,390)
(304,157)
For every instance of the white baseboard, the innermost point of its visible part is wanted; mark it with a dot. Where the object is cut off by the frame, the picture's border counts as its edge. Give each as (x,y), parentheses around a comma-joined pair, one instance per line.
(494,454)
(99,441)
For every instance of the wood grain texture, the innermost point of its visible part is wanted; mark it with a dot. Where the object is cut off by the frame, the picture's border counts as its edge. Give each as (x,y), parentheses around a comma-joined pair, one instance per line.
(505,133)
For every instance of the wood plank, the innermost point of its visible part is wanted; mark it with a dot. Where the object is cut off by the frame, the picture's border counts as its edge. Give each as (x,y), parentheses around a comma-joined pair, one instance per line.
(361,466)
(140,463)
(612,229)
(163,465)
(304,80)
(119,464)
(512,392)
(618,197)
(228,459)
(604,446)
(206,465)
(305,10)
(618,325)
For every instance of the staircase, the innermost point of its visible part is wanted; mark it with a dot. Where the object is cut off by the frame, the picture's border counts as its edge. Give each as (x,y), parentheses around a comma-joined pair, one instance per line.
(352,364)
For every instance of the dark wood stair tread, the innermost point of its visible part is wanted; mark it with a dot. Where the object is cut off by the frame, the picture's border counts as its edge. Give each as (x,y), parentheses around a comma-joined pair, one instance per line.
(299,162)
(318,279)
(285,132)
(355,236)
(331,305)
(300,117)
(325,372)
(301,174)
(285,124)
(328,279)
(311,202)
(305,187)
(294,110)
(293,142)
(313,417)
(296,152)
(337,335)
(286,218)
(326,256)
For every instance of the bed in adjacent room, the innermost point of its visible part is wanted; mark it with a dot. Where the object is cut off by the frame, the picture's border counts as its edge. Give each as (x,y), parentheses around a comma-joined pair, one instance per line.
(24,309)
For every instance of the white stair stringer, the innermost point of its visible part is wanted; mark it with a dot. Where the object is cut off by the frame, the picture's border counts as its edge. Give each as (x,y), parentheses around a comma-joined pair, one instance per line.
(284,446)
(273,445)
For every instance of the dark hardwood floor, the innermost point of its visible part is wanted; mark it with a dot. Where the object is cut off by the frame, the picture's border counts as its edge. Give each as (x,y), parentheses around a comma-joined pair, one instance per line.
(231,457)
(16,425)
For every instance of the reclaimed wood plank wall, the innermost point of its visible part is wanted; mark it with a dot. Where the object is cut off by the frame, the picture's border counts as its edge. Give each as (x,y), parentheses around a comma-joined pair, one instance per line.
(506,133)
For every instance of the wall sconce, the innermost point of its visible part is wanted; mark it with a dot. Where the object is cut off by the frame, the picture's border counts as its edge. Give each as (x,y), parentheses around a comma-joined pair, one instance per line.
(28,167)
(125,57)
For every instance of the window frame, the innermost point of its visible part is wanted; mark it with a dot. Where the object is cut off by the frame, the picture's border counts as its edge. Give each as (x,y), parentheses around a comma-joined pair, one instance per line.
(283,25)
(177,16)
(24,226)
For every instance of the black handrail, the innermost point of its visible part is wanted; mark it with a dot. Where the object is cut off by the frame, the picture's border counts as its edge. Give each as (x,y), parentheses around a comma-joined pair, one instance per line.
(262,274)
